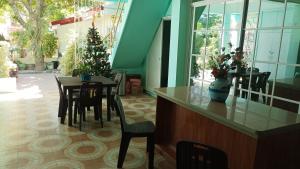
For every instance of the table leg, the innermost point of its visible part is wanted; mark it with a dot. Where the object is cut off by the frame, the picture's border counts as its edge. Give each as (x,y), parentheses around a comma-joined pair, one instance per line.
(108,102)
(70,104)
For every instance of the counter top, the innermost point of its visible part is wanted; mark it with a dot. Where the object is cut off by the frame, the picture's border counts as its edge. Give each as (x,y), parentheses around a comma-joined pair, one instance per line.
(252,118)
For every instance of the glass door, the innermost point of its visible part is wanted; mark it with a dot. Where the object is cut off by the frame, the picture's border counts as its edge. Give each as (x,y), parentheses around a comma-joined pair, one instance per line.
(216,25)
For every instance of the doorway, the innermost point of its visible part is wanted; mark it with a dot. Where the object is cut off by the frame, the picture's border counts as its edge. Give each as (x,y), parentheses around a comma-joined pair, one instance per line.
(165,52)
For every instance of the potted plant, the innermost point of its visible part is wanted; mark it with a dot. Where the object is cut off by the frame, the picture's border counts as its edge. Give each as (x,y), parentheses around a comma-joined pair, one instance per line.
(219,89)
(84,71)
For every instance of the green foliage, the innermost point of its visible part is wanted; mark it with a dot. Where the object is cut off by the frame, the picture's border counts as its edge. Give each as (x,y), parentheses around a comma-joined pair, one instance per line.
(95,56)
(67,62)
(49,44)
(2,37)
(21,39)
(3,61)
(84,68)
(21,65)
(58,10)
(36,25)
(207,42)
(195,68)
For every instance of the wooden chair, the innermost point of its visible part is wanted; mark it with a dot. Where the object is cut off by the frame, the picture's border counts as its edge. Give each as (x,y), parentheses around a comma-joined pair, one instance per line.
(139,129)
(193,155)
(90,95)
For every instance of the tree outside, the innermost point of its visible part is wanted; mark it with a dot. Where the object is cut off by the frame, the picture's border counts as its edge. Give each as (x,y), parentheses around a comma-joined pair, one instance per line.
(34,17)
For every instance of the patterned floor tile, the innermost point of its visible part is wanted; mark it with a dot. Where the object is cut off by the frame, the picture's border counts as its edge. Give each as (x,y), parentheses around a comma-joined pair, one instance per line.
(33,138)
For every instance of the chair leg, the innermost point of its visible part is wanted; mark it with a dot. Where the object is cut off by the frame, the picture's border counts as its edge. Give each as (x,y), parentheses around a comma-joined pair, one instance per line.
(81,110)
(264,92)
(123,150)
(75,112)
(101,120)
(84,114)
(150,149)
(113,105)
(100,113)
(112,101)
(60,108)
(96,112)
(63,109)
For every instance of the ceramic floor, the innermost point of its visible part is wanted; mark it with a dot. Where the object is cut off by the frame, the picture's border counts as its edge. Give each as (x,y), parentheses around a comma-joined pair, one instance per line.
(31,136)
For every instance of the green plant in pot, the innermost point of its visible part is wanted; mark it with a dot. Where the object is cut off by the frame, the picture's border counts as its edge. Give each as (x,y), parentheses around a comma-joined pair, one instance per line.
(84,71)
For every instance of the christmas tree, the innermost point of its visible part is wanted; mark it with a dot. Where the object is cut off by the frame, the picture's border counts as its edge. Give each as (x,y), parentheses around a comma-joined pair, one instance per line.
(95,55)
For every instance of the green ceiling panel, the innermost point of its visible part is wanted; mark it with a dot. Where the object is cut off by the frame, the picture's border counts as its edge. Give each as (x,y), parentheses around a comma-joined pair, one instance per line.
(141,21)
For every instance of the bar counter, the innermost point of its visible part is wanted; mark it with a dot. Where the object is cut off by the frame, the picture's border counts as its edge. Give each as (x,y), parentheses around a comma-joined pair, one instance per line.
(253,135)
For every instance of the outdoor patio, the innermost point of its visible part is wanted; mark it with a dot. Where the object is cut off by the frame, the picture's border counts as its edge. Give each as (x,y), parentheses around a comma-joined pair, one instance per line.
(32,136)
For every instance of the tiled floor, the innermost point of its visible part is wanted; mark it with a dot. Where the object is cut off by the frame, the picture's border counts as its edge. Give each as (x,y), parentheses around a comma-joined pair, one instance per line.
(31,136)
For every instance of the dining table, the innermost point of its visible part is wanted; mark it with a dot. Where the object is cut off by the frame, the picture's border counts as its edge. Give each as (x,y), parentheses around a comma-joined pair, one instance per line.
(70,83)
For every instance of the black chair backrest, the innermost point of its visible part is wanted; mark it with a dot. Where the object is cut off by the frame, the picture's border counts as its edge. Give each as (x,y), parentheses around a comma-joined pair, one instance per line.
(120,111)
(192,155)
(254,69)
(262,79)
(117,80)
(90,93)
(75,73)
(61,94)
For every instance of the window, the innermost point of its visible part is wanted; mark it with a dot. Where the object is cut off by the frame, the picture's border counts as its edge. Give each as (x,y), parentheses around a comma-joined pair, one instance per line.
(268,31)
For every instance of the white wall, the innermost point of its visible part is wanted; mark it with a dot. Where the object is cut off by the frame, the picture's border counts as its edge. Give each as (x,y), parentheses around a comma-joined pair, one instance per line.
(67,33)
(153,62)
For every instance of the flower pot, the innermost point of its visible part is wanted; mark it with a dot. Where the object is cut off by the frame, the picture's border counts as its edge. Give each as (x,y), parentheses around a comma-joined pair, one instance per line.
(85,77)
(219,90)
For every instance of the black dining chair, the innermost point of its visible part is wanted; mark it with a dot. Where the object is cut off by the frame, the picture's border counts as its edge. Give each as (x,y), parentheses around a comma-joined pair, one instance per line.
(139,129)
(193,155)
(245,84)
(261,85)
(90,95)
(63,101)
(76,73)
(115,90)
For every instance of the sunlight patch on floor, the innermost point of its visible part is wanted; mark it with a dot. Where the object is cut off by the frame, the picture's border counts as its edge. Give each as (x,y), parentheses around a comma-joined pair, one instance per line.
(31,92)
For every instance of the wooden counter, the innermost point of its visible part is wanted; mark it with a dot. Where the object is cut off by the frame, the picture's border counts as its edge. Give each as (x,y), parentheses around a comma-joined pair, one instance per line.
(253,135)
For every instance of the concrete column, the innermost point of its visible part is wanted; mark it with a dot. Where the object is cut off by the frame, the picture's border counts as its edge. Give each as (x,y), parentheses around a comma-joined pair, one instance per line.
(181,20)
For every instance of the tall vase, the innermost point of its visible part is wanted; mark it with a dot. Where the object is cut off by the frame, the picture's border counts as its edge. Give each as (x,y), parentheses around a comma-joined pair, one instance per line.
(219,89)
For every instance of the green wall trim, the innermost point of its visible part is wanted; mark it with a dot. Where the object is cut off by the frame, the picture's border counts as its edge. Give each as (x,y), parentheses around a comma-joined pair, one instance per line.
(180,42)
(169,11)
(141,21)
